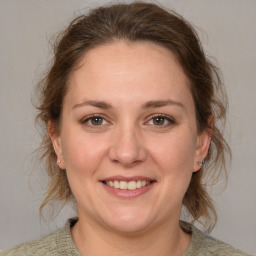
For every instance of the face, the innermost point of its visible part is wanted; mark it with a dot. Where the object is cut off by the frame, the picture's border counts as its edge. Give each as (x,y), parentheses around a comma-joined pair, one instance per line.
(128,138)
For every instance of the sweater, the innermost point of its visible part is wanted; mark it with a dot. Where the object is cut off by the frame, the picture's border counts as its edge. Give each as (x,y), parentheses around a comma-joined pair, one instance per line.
(60,243)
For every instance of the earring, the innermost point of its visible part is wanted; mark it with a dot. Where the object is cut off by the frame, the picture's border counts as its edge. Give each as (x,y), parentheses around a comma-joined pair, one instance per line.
(201,163)
(58,161)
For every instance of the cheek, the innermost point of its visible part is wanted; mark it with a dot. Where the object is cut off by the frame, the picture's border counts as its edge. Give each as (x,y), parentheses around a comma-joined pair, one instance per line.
(82,155)
(174,151)
(82,152)
(175,158)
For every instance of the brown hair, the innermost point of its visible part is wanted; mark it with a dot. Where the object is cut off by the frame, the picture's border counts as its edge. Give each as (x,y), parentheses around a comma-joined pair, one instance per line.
(137,22)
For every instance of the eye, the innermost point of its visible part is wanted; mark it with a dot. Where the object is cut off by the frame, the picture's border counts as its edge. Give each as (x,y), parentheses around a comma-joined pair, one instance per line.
(94,120)
(161,120)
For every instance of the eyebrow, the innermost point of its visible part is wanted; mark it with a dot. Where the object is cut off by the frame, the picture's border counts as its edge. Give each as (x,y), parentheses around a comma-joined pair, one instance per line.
(149,104)
(94,103)
(161,103)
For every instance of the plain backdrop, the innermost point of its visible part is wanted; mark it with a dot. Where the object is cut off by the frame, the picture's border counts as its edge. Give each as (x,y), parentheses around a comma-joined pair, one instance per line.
(227,29)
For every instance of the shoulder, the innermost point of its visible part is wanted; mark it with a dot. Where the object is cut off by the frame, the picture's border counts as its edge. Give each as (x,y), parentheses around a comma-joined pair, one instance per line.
(57,243)
(204,245)
(216,247)
(45,246)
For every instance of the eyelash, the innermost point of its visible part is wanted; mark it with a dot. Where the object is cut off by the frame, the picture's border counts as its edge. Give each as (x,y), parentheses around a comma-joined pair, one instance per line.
(170,120)
(89,118)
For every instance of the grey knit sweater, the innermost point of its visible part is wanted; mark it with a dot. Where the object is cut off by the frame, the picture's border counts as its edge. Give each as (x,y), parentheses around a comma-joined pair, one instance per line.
(60,243)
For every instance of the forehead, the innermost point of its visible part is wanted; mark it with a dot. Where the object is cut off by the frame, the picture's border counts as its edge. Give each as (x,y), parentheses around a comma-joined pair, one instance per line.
(129,69)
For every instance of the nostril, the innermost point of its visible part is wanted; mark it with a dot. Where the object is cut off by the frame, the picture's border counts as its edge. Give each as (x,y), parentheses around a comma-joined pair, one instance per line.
(125,158)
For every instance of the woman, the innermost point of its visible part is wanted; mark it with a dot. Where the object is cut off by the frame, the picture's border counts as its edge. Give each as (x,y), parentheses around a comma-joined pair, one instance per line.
(130,108)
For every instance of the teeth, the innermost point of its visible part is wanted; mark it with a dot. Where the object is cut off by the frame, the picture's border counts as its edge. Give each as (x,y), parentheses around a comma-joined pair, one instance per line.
(138,184)
(123,185)
(131,185)
(116,184)
(143,183)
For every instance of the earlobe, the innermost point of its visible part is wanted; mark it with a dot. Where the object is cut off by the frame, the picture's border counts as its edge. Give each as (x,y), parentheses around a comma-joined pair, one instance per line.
(203,145)
(56,142)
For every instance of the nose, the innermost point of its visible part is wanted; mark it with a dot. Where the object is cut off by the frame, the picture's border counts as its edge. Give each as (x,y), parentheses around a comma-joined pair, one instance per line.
(127,148)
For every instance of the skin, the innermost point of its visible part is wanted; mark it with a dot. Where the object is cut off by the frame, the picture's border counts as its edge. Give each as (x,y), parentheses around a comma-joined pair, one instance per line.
(129,141)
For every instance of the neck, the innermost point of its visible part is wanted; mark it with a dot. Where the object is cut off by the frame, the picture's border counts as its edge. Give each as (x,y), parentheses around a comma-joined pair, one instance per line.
(166,239)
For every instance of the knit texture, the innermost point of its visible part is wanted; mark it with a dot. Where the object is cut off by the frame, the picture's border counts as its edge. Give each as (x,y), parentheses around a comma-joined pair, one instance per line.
(60,243)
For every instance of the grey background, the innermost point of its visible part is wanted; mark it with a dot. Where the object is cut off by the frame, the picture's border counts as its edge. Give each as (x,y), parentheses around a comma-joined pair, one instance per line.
(228,32)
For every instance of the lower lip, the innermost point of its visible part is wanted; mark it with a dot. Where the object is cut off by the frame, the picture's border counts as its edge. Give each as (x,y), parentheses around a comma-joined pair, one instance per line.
(125,193)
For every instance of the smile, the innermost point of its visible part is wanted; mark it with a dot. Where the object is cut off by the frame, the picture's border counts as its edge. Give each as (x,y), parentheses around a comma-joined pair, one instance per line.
(130,185)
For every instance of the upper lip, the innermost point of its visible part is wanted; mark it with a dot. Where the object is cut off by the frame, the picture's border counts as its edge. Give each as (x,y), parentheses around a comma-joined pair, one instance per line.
(123,178)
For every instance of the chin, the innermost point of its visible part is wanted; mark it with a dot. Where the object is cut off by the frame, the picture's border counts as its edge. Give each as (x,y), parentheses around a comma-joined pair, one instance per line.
(128,227)
(128,223)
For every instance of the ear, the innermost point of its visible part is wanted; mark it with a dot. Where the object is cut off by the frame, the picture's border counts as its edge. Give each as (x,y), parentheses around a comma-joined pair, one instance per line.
(203,144)
(56,142)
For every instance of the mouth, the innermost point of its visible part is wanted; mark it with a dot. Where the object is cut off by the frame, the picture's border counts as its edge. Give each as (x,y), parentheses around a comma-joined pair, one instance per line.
(127,185)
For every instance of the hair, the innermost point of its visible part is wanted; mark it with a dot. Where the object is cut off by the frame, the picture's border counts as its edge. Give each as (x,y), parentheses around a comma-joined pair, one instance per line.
(137,22)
